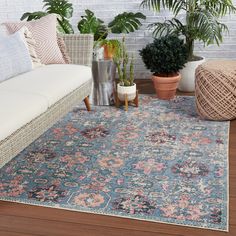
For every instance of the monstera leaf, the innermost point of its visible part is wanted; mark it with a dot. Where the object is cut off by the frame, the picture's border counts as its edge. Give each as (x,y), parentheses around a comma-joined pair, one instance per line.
(33,15)
(62,8)
(64,26)
(90,24)
(126,22)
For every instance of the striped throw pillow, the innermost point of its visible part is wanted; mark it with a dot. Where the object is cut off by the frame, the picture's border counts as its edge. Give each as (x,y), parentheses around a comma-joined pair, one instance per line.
(44,31)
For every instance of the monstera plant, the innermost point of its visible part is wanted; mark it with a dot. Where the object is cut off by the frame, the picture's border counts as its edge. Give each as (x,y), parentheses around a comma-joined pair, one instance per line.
(125,22)
(194,20)
(62,8)
(90,24)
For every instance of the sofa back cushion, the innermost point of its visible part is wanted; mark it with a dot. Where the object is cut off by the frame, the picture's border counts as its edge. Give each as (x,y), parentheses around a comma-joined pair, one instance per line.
(45,34)
(14,56)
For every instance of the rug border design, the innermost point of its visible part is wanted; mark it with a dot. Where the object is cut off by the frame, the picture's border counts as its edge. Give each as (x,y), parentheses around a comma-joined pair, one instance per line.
(142,218)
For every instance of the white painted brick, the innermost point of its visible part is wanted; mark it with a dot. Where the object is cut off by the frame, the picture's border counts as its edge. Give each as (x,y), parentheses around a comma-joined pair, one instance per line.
(11,10)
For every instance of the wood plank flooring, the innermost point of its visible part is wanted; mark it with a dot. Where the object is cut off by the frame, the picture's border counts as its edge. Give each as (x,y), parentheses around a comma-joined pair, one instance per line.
(24,220)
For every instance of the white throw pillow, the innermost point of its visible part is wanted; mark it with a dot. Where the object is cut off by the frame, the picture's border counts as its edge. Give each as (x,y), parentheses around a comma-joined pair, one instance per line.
(14,56)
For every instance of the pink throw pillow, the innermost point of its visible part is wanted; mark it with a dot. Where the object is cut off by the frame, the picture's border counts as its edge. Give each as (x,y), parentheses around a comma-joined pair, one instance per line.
(44,32)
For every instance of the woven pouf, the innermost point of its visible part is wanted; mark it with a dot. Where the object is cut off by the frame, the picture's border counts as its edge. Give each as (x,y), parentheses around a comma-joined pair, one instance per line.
(216,90)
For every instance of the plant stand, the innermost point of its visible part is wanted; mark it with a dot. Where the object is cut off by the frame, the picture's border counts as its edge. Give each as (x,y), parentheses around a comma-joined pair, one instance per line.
(118,102)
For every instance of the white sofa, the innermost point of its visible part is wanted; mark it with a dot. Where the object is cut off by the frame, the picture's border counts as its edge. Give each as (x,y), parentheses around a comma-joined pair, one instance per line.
(32,102)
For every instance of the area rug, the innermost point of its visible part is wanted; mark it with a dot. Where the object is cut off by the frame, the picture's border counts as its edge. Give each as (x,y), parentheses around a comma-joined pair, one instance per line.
(159,162)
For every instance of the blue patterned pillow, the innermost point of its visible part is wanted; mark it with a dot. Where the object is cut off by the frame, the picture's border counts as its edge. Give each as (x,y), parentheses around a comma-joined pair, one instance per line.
(14,56)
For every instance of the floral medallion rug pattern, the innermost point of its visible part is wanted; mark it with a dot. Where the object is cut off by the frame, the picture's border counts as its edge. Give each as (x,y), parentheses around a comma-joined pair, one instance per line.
(159,162)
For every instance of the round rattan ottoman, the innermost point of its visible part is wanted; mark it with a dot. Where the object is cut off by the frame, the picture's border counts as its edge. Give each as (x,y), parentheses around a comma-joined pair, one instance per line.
(215,90)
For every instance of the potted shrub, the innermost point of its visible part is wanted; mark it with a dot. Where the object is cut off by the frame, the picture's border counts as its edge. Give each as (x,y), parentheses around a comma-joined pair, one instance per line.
(165,57)
(126,88)
(201,22)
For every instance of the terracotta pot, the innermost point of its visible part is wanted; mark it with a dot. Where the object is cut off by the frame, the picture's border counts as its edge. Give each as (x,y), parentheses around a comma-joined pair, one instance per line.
(108,52)
(166,86)
(130,91)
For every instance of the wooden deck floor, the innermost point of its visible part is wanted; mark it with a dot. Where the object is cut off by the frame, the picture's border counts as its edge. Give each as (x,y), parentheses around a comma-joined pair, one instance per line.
(24,220)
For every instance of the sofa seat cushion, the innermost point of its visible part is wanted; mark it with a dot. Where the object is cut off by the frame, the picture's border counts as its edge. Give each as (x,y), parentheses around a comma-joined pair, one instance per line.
(53,82)
(17,109)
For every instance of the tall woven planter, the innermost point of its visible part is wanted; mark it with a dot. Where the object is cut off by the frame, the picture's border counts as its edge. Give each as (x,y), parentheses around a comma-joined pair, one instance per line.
(216,90)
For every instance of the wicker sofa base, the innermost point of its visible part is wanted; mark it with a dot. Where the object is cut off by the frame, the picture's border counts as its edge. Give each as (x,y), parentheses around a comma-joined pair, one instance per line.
(24,136)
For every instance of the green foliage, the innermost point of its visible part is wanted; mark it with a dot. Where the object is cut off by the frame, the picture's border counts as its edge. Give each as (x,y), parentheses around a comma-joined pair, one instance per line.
(113,45)
(122,61)
(126,22)
(201,20)
(165,56)
(33,16)
(62,8)
(90,24)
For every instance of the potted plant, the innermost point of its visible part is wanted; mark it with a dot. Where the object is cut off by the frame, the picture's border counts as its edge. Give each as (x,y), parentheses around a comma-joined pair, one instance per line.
(110,47)
(201,22)
(126,88)
(165,57)
(62,8)
(125,22)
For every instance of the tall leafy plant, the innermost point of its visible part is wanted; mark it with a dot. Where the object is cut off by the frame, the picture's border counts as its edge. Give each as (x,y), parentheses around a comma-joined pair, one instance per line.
(62,8)
(201,21)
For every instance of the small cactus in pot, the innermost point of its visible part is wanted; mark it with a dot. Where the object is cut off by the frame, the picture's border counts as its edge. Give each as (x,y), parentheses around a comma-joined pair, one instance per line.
(125,68)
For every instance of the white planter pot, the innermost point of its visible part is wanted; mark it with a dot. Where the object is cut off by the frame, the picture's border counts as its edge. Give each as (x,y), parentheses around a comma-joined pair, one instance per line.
(187,83)
(129,90)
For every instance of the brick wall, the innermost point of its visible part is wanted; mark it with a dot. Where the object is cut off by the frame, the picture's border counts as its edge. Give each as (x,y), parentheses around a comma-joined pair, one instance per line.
(107,9)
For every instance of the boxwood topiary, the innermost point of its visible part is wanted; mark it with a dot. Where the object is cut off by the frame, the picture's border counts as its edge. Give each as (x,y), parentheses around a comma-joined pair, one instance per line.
(165,56)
